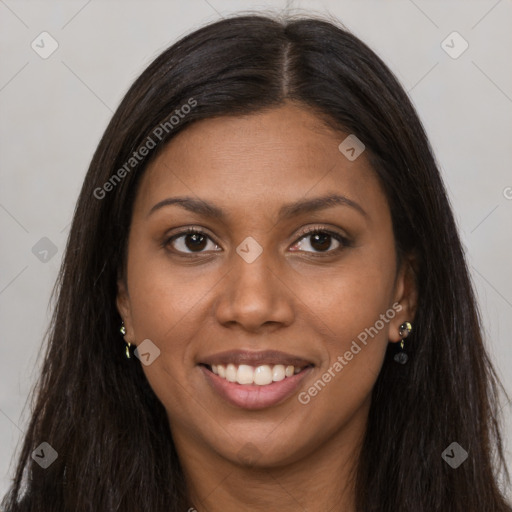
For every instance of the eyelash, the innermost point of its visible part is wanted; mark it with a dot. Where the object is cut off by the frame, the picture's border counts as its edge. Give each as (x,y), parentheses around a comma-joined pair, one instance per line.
(344,242)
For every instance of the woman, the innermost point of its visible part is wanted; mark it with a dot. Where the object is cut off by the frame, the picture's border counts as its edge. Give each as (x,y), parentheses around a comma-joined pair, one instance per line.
(264,303)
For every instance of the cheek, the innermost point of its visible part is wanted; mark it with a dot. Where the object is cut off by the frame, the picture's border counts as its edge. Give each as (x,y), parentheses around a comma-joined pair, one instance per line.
(162,294)
(351,296)
(352,308)
(165,305)
(158,301)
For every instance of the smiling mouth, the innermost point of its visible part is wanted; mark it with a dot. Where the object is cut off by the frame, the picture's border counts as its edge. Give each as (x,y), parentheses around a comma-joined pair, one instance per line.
(255,387)
(262,375)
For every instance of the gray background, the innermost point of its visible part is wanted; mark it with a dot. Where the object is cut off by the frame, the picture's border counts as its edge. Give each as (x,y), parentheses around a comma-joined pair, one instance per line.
(54,110)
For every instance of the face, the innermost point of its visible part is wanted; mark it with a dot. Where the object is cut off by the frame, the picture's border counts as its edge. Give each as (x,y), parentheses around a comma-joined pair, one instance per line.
(270,267)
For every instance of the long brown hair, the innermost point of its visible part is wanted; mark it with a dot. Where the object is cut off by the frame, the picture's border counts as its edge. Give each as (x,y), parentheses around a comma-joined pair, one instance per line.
(96,408)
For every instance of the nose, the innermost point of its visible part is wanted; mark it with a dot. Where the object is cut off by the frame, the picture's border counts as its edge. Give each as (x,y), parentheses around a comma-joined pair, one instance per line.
(254,296)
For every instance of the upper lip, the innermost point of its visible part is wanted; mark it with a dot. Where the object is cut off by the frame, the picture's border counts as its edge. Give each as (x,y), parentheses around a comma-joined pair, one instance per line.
(270,357)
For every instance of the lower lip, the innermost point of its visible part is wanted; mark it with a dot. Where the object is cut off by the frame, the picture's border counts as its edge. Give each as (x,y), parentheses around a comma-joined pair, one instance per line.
(252,396)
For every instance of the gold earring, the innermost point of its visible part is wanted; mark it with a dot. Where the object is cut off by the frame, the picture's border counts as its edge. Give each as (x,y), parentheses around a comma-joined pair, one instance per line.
(404,331)
(122,330)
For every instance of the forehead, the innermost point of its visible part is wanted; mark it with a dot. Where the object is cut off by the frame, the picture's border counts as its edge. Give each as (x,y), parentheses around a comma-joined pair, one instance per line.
(274,156)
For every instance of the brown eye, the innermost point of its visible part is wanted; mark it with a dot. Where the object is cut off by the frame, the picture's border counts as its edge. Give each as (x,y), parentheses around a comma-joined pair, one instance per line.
(195,242)
(190,241)
(320,241)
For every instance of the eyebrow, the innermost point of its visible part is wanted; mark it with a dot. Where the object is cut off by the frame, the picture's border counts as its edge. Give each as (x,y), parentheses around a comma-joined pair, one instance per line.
(302,206)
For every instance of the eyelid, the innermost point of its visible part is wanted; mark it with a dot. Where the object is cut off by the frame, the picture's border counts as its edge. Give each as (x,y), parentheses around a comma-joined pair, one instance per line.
(344,240)
(323,229)
(184,231)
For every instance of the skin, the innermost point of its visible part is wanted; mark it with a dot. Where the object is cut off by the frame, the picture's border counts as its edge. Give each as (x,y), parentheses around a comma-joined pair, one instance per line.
(294,297)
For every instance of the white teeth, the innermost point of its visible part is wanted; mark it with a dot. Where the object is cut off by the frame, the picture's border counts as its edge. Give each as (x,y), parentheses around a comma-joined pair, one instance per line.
(245,374)
(231,372)
(263,375)
(260,375)
(278,373)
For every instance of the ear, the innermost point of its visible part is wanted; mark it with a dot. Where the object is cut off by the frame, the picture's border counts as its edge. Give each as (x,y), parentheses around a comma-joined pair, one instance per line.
(124,309)
(406,295)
